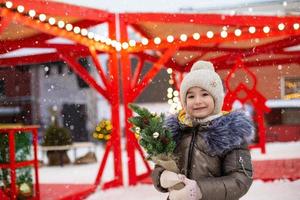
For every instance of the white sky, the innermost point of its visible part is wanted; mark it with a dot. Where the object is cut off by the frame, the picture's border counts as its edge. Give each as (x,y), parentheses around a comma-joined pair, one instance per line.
(165,5)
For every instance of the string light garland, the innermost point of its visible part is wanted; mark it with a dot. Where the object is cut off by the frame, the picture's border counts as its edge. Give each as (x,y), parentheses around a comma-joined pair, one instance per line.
(118,46)
(173,95)
(51,21)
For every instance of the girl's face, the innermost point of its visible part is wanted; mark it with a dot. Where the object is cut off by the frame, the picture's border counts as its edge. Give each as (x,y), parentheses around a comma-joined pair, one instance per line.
(199,103)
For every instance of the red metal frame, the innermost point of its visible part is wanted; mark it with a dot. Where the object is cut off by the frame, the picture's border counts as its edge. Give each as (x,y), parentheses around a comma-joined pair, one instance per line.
(13,165)
(252,95)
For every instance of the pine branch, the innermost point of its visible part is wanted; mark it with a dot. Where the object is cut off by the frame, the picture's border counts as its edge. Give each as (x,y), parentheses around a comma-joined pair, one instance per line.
(154,137)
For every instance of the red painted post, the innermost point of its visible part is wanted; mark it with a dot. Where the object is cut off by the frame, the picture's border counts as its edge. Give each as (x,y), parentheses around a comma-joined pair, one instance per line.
(115,107)
(12,163)
(36,163)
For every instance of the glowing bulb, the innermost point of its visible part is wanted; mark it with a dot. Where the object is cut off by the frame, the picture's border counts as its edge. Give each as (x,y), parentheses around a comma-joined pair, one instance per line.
(266,29)
(84,32)
(176,99)
(69,27)
(238,32)
(145,41)
(157,40)
(169,95)
(169,70)
(196,36)
(132,43)
(296,26)
(170,38)
(210,34)
(61,24)
(183,37)
(118,47)
(281,26)
(42,17)
(90,35)
(51,20)
(108,41)
(8,4)
(32,13)
(252,29)
(176,93)
(114,43)
(125,45)
(224,34)
(170,90)
(76,29)
(170,101)
(20,8)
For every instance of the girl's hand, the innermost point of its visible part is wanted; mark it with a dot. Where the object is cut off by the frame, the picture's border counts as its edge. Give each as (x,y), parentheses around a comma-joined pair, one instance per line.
(169,179)
(191,190)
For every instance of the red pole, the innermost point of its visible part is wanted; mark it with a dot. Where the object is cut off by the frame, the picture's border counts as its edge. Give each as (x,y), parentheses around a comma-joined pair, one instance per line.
(126,82)
(35,143)
(12,163)
(115,106)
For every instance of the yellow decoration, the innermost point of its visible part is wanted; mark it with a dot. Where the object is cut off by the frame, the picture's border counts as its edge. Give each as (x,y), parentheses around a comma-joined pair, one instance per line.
(25,189)
(103,130)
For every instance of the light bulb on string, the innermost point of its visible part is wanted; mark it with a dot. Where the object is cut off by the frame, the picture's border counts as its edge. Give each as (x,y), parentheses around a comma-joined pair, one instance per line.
(210,34)
(125,45)
(169,70)
(31,13)
(224,34)
(42,17)
(51,21)
(132,43)
(266,29)
(157,40)
(76,29)
(238,32)
(61,24)
(8,4)
(69,27)
(252,29)
(84,32)
(170,38)
(90,35)
(281,26)
(183,37)
(20,8)
(196,36)
(145,41)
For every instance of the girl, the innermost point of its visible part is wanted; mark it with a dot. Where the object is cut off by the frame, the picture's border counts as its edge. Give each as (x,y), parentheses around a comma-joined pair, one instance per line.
(213,158)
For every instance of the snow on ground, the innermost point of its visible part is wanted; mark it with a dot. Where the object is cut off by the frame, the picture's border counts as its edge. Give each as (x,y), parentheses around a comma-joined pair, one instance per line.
(277,190)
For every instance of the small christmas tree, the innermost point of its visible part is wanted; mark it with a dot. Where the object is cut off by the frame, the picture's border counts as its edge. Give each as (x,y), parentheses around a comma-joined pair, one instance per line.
(153,136)
(24,175)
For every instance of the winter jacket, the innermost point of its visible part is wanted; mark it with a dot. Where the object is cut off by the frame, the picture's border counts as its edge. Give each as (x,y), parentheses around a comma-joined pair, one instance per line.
(214,154)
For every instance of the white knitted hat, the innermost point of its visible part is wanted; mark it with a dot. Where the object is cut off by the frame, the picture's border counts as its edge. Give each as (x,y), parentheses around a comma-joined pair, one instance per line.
(203,75)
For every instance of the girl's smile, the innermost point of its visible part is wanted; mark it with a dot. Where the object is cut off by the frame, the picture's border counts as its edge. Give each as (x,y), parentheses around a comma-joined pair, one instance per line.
(200,104)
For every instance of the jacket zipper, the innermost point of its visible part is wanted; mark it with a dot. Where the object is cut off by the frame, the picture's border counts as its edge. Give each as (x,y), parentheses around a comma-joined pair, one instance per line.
(241,161)
(188,173)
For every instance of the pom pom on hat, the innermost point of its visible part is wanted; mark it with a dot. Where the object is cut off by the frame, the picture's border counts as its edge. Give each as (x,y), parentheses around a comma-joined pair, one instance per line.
(202,65)
(203,75)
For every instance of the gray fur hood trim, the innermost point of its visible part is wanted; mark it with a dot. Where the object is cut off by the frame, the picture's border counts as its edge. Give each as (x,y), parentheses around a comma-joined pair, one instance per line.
(221,134)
